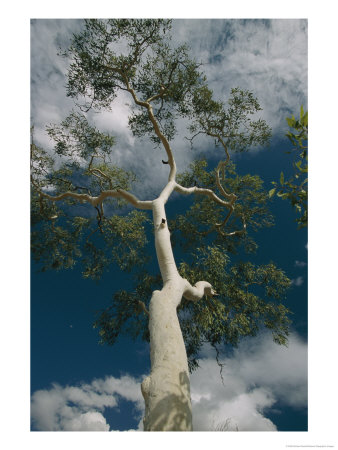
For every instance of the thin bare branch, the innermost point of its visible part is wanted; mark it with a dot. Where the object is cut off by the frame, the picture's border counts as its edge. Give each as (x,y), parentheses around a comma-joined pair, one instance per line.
(220,365)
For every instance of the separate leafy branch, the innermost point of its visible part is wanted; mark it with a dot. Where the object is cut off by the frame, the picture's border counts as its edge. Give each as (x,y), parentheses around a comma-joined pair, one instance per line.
(295,189)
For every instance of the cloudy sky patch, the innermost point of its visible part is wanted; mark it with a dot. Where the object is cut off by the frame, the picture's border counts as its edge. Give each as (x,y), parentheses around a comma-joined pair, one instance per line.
(82,407)
(268,57)
(297,281)
(257,376)
(300,264)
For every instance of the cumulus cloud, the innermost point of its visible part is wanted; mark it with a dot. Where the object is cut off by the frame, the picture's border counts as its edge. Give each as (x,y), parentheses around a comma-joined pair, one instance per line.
(49,103)
(297,281)
(300,264)
(268,57)
(82,407)
(256,376)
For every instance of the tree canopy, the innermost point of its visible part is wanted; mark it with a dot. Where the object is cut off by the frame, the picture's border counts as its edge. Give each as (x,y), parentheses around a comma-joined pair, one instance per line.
(81,200)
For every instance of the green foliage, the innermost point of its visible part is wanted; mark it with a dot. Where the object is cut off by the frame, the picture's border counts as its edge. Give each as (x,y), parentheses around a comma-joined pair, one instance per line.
(55,241)
(174,75)
(96,70)
(249,299)
(233,123)
(81,160)
(67,232)
(125,239)
(127,312)
(60,240)
(76,138)
(295,188)
(195,226)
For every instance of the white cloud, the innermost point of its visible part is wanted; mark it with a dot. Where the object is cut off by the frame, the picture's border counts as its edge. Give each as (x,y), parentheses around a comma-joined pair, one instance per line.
(81,408)
(300,264)
(268,57)
(297,281)
(256,376)
(49,103)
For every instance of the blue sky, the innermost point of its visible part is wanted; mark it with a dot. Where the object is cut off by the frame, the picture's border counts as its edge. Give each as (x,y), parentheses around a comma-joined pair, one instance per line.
(77,384)
(322,242)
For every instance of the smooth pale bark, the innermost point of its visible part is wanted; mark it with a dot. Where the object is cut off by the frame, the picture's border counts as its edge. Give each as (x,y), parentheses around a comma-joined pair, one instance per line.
(167,390)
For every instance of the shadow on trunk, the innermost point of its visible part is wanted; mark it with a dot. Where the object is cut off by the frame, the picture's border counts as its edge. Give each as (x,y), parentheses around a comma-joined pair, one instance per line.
(167,411)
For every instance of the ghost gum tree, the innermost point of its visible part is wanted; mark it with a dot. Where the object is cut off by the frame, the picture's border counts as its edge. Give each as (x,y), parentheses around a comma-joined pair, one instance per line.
(85,209)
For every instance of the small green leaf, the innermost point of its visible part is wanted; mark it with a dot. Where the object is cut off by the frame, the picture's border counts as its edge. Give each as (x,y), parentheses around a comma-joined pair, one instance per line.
(272,192)
(305,119)
(290,121)
(281,180)
(298,164)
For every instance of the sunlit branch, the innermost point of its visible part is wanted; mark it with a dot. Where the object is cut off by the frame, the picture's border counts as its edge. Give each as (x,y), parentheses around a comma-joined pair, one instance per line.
(165,143)
(157,130)
(221,166)
(95,201)
(202,191)
(99,174)
(196,292)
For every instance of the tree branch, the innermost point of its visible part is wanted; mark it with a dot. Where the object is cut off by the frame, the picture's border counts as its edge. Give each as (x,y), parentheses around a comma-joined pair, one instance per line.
(209,193)
(203,191)
(157,130)
(195,293)
(237,232)
(95,201)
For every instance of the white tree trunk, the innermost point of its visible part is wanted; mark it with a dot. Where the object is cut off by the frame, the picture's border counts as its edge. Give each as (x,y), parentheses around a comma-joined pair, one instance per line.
(167,390)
